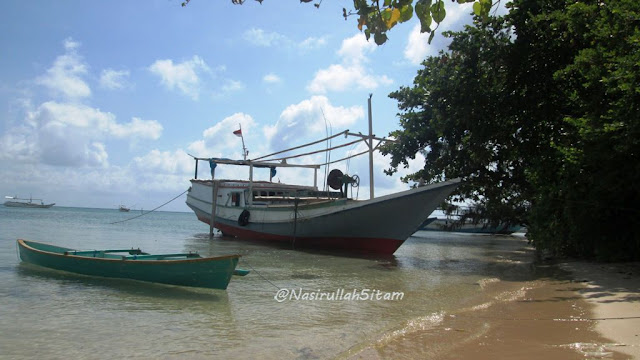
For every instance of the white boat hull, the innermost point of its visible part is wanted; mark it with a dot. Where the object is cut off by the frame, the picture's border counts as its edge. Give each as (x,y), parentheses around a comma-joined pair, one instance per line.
(27,205)
(379,225)
(480,228)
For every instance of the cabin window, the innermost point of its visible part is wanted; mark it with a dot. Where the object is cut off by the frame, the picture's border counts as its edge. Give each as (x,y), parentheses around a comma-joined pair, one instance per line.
(235,199)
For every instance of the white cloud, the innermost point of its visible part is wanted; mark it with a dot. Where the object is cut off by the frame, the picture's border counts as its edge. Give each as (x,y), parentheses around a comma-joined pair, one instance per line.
(355,49)
(339,77)
(137,128)
(228,125)
(183,76)
(70,44)
(352,72)
(229,87)
(232,86)
(165,162)
(312,43)
(66,134)
(93,121)
(418,47)
(65,76)
(263,38)
(219,140)
(114,79)
(271,78)
(308,117)
(60,144)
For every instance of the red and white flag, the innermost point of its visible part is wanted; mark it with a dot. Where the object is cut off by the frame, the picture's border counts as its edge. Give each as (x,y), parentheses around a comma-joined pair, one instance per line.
(238,132)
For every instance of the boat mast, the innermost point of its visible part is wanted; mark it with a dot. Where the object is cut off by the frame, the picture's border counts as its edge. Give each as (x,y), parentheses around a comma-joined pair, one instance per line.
(214,196)
(370,143)
(245,152)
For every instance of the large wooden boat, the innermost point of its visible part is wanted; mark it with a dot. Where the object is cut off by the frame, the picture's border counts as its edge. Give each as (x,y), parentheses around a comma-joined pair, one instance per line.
(188,269)
(304,216)
(307,217)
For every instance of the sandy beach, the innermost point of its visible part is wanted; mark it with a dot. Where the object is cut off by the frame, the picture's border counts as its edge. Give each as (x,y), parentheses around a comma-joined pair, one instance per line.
(613,290)
(594,313)
(572,310)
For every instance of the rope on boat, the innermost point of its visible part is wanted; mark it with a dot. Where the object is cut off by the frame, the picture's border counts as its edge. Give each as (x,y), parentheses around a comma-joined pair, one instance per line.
(348,157)
(135,217)
(317,151)
(305,145)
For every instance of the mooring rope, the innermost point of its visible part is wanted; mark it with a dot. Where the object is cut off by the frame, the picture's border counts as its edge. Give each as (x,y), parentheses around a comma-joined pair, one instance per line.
(264,278)
(135,217)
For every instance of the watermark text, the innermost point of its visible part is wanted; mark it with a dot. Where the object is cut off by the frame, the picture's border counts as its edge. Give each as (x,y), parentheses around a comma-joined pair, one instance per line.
(300,294)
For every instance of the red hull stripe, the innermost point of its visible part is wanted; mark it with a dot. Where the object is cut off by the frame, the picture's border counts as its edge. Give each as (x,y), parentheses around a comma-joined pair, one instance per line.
(350,244)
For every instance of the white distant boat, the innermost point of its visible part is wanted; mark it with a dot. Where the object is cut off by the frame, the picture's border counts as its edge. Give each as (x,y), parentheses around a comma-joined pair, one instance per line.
(483,227)
(15,201)
(461,219)
(124,208)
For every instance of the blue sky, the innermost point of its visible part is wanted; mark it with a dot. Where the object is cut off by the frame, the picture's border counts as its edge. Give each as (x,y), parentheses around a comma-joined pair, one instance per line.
(101,102)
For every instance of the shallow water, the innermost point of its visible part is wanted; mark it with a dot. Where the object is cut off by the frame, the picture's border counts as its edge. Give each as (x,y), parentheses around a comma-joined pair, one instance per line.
(60,315)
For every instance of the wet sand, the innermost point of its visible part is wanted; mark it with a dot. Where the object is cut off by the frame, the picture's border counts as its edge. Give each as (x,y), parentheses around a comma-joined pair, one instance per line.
(581,311)
(614,292)
(551,321)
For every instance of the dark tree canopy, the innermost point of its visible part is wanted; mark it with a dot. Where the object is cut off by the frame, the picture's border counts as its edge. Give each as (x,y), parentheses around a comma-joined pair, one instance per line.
(539,112)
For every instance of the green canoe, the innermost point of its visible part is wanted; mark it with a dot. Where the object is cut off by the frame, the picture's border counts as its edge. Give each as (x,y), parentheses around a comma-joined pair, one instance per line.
(188,269)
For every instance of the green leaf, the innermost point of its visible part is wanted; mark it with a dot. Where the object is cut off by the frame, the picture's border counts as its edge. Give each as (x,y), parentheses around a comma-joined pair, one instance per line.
(422,8)
(482,8)
(386,15)
(406,13)
(477,8)
(431,37)
(424,14)
(438,12)
(393,19)
(380,38)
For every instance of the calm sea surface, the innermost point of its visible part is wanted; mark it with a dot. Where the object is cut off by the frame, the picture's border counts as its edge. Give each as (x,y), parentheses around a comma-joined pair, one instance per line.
(55,315)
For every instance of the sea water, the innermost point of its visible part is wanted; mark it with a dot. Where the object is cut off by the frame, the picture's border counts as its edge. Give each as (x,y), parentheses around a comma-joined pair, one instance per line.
(335,305)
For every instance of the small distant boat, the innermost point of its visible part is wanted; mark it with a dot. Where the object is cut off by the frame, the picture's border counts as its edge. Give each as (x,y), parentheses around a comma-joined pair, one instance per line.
(187,269)
(124,208)
(15,201)
(436,224)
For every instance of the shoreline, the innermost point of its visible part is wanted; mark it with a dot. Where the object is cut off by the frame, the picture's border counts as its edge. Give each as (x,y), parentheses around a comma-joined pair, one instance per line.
(568,310)
(614,292)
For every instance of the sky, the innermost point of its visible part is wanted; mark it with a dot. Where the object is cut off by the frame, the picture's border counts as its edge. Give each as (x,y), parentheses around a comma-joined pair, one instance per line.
(103,103)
